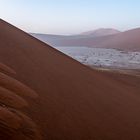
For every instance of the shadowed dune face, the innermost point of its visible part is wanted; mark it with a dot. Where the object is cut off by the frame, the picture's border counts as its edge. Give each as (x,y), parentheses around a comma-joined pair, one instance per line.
(15,125)
(73,103)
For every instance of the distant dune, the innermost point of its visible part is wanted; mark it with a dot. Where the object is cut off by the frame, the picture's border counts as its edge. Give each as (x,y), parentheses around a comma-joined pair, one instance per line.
(128,40)
(48,95)
(101,32)
(58,40)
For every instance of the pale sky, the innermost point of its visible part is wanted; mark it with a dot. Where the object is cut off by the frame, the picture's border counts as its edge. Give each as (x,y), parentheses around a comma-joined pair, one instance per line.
(70,16)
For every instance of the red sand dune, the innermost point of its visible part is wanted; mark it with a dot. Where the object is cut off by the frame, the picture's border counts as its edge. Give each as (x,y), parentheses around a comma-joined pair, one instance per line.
(74,102)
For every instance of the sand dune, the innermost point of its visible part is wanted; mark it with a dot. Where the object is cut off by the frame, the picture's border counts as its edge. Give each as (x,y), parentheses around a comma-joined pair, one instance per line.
(15,125)
(74,102)
(101,32)
(58,40)
(128,40)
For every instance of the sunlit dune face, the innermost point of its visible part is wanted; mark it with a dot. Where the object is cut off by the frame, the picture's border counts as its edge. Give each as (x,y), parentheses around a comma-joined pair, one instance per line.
(15,125)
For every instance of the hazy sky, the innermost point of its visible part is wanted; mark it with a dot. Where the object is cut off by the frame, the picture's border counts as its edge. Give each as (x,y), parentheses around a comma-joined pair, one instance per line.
(70,16)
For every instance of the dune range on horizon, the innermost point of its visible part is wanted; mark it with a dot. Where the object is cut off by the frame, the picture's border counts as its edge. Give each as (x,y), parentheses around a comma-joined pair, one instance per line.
(103,38)
(48,95)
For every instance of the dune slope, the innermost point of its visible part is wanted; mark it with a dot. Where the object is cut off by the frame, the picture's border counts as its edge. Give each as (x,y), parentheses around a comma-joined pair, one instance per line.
(129,40)
(61,98)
